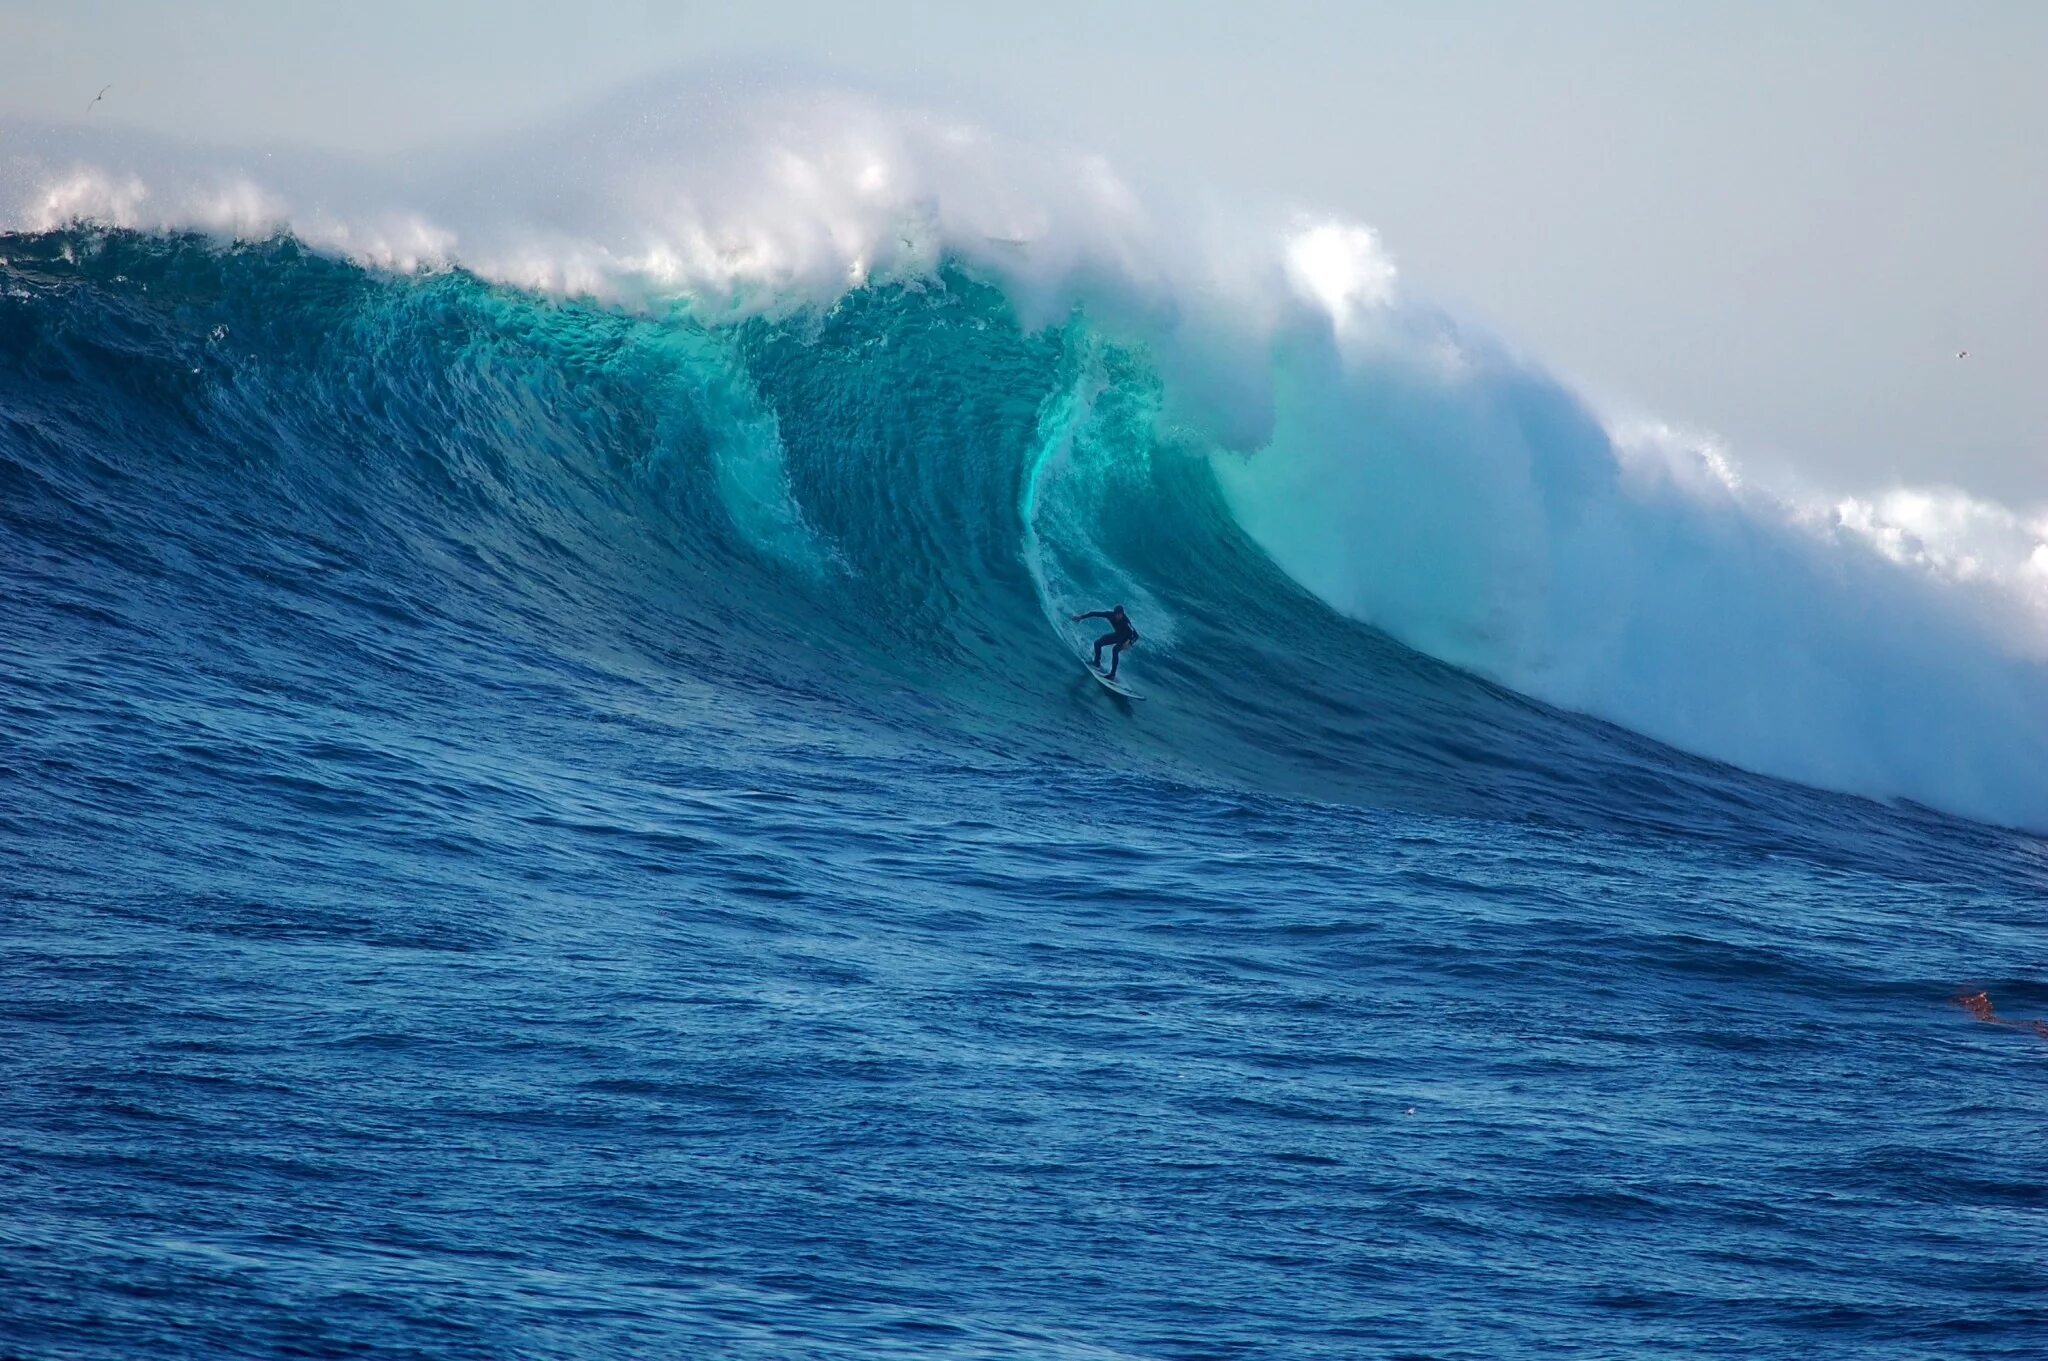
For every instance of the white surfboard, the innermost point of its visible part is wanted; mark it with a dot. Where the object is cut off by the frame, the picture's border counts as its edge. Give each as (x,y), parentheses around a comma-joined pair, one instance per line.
(1115,687)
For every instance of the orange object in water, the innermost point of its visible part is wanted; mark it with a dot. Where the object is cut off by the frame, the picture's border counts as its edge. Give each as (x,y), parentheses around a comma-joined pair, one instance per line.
(1978,1004)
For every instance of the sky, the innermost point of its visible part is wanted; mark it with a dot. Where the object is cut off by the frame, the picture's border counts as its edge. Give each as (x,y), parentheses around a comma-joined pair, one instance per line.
(1774,224)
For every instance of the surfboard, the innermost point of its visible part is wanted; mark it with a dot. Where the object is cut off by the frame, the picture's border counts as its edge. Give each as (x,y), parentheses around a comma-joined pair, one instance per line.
(1115,687)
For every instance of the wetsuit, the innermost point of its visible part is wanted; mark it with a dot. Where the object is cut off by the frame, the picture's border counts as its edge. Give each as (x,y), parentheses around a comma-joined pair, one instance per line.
(1121,636)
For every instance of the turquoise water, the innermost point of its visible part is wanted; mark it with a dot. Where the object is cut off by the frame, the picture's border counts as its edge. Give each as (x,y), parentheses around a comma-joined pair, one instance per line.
(540,831)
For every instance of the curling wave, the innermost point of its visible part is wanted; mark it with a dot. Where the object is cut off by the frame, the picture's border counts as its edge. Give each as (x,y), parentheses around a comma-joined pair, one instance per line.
(812,397)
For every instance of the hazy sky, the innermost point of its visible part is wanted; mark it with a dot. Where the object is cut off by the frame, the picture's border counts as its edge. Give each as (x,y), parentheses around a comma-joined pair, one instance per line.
(1775,222)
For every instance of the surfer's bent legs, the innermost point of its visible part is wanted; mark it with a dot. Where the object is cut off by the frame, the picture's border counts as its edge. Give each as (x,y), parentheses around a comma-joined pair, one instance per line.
(1116,653)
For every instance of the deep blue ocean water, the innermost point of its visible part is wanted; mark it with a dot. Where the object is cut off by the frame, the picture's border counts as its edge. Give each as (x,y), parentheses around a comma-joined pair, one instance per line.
(534,831)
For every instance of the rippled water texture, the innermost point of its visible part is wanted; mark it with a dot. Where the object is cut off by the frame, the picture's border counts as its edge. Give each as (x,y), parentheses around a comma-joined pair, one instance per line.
(533,831)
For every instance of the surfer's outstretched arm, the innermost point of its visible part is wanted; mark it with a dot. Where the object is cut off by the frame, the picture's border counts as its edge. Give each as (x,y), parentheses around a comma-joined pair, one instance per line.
(1092,614)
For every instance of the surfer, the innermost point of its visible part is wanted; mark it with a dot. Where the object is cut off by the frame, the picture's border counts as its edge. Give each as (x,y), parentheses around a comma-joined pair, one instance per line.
(1121,636)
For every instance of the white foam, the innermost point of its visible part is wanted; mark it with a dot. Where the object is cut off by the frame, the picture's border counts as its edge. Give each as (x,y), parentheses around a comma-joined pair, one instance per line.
(1891,646)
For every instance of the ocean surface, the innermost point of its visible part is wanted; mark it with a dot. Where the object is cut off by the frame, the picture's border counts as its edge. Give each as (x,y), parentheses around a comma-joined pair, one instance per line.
(536,827)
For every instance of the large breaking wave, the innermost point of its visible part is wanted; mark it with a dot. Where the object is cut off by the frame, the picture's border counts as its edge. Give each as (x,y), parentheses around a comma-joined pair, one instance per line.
(803,395)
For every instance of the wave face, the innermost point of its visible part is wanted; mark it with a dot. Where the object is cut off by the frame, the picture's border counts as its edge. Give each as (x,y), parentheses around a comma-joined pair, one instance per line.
(554,809)
(890,506)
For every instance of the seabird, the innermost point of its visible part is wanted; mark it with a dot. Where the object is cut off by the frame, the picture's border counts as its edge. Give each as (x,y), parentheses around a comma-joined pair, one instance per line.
(98,97)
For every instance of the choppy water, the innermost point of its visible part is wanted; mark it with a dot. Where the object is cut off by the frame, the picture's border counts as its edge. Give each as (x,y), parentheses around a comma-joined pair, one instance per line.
(537,831)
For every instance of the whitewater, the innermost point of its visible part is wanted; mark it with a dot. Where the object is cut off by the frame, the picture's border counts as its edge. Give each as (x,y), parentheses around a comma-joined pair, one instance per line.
(552,810)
